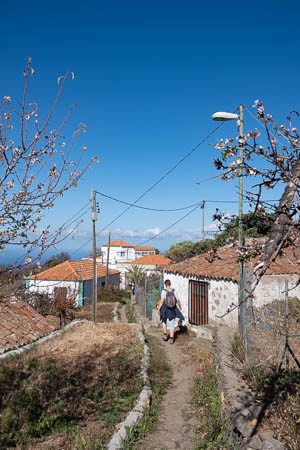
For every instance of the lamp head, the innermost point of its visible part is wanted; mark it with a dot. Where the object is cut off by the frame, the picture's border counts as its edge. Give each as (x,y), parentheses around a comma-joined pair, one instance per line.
(224,116)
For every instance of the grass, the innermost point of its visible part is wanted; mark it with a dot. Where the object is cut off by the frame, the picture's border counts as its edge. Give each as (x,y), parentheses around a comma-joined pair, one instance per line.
(79,399)
(212,431)
(160,374)
(237,347)
(129,313)
(104,312)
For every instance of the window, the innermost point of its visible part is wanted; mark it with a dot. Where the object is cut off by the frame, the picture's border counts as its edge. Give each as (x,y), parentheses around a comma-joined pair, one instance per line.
(121,254)
(198,303)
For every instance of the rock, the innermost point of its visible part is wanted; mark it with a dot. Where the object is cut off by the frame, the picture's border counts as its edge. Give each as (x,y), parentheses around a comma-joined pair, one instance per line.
(255,444)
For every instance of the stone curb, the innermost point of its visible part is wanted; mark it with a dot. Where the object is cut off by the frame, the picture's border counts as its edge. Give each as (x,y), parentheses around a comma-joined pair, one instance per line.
(143,401)
(115,310)
(52,335)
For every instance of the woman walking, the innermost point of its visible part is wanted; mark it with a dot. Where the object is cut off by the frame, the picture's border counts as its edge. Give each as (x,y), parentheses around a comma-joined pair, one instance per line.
(169,310)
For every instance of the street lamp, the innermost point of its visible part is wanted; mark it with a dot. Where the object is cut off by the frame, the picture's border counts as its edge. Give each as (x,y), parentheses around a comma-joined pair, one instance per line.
(224,117)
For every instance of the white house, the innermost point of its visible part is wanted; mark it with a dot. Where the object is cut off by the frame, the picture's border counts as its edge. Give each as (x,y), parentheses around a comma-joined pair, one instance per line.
(151,264)
(207,287)
(121,253)
(71,278)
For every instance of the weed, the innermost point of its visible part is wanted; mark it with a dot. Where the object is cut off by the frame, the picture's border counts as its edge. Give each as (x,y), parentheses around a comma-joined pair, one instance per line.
(160,374)
(42,396)
(212,432)
(237,347)
(129,313)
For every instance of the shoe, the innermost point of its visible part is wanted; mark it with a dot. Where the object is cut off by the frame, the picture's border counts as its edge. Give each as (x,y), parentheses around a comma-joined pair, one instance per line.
(171,340)
(165,337)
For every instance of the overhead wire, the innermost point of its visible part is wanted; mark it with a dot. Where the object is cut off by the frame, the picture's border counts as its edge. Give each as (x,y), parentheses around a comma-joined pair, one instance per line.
(144,207)
(154,184)
(163,176)
(170,226)
(173,209)
(67,222)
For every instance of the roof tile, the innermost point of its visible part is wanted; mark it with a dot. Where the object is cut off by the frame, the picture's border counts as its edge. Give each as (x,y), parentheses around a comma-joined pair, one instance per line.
(78,270)
(118,243)
(157,260)
(20,325)
(226,265)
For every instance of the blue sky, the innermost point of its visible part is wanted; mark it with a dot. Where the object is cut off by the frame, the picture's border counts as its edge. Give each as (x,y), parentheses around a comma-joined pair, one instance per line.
(148,76)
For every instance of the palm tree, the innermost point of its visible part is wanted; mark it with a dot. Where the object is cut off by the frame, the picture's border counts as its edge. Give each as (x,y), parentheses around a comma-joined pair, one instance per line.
(136,274)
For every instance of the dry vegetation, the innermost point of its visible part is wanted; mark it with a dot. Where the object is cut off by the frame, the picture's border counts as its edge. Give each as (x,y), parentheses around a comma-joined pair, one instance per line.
(277,390)
(265,342)
(104,312)
(70,392)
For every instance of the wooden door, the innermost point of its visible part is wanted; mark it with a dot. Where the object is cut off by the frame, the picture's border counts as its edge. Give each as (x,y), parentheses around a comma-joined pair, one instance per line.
(198,304)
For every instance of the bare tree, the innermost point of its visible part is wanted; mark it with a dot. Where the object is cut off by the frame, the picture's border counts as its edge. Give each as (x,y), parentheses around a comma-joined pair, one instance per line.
(36,168)
(272,159)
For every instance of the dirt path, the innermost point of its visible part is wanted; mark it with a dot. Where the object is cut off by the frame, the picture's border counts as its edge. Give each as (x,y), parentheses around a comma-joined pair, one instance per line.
(176,423)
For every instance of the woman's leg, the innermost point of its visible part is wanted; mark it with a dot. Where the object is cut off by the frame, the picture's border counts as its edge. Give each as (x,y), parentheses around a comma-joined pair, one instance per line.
(165,335)
(171,328)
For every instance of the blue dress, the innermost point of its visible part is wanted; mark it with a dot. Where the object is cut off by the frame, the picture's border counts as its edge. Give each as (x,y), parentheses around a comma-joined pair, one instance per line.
(168,313)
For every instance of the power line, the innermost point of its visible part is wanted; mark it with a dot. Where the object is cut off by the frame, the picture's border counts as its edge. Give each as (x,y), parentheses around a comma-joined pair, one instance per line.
(154,184)
(144,207)
(170,226)
(67,222)
(163,176)
(174,209)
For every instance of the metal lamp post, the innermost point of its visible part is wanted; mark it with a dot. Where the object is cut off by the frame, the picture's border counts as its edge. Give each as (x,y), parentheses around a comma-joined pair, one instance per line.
(224,117)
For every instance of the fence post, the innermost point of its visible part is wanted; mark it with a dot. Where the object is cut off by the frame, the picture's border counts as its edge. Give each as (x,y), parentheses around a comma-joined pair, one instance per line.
(287,325)
(245,306)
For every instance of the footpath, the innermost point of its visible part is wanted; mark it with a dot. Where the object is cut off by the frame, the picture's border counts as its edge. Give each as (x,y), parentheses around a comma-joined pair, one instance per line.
(176,422)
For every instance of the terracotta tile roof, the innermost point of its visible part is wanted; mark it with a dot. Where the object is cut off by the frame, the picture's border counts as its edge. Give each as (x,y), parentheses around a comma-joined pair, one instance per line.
(79,270)
(20,325)
(158,260)
(118,244)
(226,265)
(144,248)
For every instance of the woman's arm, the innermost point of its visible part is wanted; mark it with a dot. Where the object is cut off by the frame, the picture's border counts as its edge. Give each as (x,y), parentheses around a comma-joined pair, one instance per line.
(162,299)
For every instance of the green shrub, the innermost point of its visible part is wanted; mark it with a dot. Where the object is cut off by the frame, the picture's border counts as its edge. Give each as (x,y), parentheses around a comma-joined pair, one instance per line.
(113,294)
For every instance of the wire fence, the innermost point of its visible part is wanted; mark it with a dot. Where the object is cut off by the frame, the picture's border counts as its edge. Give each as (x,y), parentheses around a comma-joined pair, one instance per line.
(270,333)
(147,294)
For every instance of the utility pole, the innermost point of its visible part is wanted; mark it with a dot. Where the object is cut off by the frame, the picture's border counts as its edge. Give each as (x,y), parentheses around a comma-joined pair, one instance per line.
(242,307)
(107,261)
(94,218)
(202,207)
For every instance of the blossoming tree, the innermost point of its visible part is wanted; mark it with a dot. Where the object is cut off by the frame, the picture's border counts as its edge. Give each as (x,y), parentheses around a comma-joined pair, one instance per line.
(36,168)
(272,160)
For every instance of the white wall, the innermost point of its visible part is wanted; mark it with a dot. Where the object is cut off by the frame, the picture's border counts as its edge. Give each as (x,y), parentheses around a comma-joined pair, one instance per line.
(220,295)
(118,254)
(48,286)
(272,288)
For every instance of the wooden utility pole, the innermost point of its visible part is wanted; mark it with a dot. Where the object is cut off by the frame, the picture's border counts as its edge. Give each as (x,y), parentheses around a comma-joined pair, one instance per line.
(202,207)
(94,218)
(107,261)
